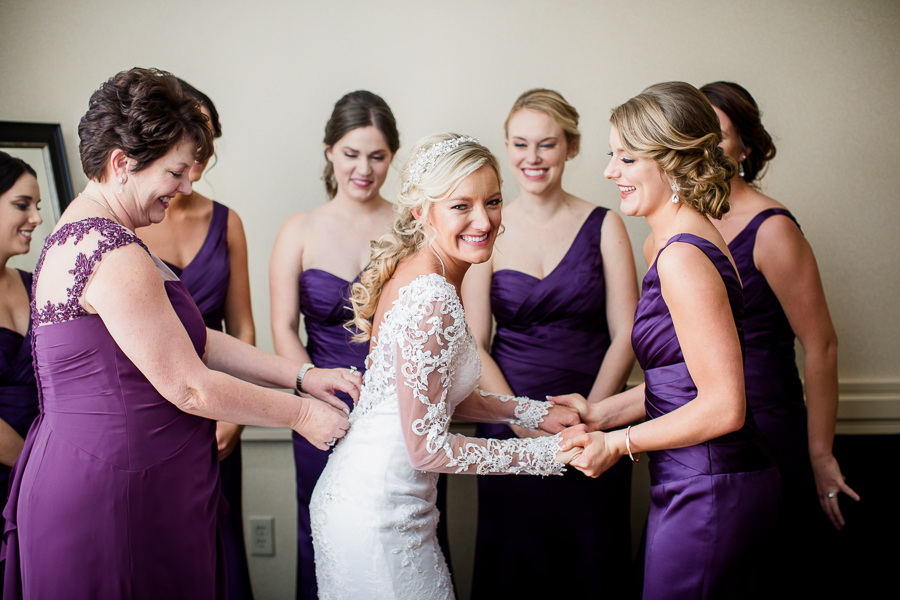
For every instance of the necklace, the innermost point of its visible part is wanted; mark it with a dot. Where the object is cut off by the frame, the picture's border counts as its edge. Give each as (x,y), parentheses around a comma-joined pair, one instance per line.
(108,209)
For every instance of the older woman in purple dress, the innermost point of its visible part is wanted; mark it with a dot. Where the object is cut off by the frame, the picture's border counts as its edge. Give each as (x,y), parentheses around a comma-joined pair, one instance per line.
(714,486)
(317,256)
(203,243)
(561,284)
(784,301)
(116,492)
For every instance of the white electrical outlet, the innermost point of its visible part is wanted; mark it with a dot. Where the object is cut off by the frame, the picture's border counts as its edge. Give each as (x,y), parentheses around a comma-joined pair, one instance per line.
(262,536)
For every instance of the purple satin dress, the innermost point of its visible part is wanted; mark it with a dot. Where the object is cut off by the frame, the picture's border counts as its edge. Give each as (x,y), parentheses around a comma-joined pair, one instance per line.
(551,339)
(775,394)
(206,278)
(116,493)
(18,388)
(714,505)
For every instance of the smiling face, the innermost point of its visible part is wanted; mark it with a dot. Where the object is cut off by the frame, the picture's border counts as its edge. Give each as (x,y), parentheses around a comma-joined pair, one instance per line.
(464,225)
(19,215)
(147,193)
(361,160)
(643,187)
(537,150)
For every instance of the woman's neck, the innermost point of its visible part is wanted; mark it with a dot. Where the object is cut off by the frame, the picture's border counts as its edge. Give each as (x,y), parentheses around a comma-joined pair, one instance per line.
(351,207)
(543,206)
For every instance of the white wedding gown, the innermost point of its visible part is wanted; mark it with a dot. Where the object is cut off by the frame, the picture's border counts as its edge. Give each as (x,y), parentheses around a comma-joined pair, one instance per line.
(373,514)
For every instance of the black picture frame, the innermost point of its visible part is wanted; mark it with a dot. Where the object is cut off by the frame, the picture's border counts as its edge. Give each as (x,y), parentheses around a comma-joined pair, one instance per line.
(49,139)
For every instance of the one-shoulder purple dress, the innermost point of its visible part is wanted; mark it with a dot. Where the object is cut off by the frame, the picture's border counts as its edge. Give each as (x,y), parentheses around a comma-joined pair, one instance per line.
(714,505)
(116,493)
(18,387)
(551,339)
(206,278)
(775,394)
(324,302)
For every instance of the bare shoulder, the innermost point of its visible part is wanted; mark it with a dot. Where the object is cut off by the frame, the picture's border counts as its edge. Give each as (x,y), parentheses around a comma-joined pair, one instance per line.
(683,264)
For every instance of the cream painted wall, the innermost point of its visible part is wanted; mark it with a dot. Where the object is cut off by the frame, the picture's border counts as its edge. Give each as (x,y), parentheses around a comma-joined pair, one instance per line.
(825,74)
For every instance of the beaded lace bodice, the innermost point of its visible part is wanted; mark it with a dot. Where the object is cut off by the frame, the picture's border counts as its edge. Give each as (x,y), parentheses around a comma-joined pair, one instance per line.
(426,359)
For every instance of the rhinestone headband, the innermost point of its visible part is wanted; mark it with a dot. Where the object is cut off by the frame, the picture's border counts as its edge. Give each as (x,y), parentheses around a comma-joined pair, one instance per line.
(428,156)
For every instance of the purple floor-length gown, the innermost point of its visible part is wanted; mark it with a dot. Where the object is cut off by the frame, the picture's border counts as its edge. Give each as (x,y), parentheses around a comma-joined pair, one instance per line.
(116,493)
(713,506)
(324,302)
(551,338)
(775,395)
(206,278)
(18,388)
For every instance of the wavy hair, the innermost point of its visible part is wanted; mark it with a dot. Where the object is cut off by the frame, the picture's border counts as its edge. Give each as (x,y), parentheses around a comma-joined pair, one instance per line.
(676,126)
(408,234)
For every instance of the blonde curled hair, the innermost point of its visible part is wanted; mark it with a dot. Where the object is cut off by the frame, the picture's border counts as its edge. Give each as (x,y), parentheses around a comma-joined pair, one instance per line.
(552,104)
(423,187)
(675,125)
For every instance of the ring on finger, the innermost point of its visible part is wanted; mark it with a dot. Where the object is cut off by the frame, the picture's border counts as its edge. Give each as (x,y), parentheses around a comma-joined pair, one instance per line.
(332,442)
(353,369)
(832,494)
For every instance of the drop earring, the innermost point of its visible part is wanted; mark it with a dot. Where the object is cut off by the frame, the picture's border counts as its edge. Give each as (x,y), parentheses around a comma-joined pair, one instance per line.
(741,166)
(674,192)
(121,181)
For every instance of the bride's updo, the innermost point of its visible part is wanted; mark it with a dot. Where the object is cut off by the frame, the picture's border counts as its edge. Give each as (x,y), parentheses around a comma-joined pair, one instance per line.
(434,168)
(675,125)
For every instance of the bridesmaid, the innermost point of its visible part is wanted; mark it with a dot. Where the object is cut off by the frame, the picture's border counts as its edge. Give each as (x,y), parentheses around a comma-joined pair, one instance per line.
(564,308)
(203,243)
(19,199)
(715,488)
(784,297)
(316,257)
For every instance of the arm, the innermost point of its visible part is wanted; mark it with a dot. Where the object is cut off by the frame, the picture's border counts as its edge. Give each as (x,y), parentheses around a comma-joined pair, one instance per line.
(127,292)
(238,317)
(698,302)
(285,268)
(616,411)
(786,260)
(11,444)
(426,355)
(621,302)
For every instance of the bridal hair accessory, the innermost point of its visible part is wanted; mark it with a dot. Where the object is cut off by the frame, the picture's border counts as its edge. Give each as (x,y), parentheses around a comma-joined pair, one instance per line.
(675,192)
(428,156)
(628,446)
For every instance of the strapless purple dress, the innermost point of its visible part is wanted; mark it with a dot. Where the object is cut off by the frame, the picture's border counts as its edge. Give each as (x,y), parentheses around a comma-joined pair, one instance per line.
(714,505)
(775,394)
(116,493)
(206,278)
(551,339)
(18,388)
(324,302)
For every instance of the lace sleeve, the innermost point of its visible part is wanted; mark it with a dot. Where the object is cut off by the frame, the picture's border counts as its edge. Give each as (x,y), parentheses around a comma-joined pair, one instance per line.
(428,354)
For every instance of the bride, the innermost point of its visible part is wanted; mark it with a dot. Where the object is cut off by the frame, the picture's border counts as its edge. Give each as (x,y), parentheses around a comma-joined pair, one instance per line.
(373,513)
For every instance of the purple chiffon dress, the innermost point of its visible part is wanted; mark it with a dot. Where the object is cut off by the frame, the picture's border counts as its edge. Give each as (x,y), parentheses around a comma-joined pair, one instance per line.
(775,395)
(116,493)
(325,304)
(551,339)
(713,506)
(206,278)
(18,387)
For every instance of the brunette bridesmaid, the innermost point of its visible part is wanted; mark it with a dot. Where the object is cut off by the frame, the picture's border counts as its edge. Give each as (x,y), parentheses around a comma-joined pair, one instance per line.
(203,243)
(19,216)
(317,256)
(562,286)
(784,301)
(715,489)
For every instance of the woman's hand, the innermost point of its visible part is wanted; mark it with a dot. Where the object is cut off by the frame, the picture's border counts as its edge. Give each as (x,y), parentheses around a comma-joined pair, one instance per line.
(600,450)
(578,403)
(323,383)
(320,423)
(228,435)
(559,418)
(830,483)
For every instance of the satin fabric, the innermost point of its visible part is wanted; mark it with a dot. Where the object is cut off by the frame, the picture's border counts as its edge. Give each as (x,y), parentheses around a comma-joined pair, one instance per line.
(551,339)
(206,277)
(713,505)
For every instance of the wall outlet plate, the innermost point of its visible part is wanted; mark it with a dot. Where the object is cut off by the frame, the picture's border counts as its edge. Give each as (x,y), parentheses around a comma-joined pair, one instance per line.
(262,536)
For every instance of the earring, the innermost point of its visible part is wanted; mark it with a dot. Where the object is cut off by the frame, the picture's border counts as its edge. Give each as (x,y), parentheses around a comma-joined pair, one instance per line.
(741,169)
(121,181)
(675,192)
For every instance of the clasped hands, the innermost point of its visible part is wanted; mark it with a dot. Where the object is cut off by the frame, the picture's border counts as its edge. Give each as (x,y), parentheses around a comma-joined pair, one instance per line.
(583,445)
(325,420)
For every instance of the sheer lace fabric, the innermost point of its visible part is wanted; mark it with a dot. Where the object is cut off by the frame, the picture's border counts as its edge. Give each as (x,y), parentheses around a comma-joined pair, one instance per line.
(373,514)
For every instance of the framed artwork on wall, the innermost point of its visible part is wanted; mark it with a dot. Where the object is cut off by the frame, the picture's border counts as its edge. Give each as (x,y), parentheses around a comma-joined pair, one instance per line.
(41,146)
